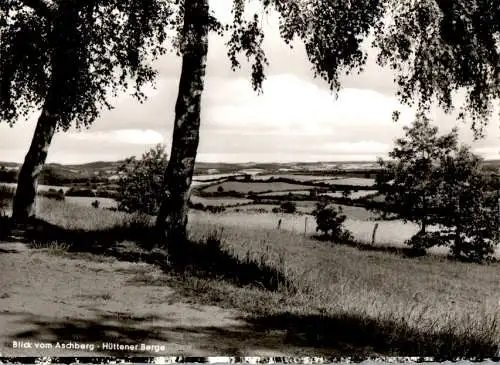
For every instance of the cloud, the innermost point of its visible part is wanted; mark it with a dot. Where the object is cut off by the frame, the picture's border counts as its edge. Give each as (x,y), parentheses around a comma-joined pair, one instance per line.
(291,105)
(488,152)
(122,136)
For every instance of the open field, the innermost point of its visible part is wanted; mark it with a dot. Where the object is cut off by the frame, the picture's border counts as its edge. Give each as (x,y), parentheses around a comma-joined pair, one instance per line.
(295,177)
(330,299)
(40,187)
(226,201)
(357,181)
(388,234)
(85,201)
(214,176)
(285,193)
(256,187)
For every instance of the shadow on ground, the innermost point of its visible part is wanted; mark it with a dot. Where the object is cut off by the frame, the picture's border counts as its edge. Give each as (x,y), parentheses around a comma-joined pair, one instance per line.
(286,333)
(135,243)
(338,334)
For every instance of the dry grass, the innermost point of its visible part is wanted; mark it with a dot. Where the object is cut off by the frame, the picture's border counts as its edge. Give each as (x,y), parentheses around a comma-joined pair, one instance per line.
(428,296)
(396,305)
(74,216)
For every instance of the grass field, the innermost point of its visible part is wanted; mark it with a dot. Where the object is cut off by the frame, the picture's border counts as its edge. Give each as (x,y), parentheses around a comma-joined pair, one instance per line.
(87,201)
(40,187)
(358,181)
(297,177)
(284,193)
(345,300)
(256,187)
(226,201)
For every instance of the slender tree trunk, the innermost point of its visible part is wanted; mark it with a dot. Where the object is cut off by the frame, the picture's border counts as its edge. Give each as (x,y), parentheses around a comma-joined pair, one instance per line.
(173,215)
(24,204)
(62,71)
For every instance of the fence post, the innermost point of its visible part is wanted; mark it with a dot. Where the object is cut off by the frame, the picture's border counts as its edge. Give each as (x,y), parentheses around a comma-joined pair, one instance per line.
(305,227)
(373,234)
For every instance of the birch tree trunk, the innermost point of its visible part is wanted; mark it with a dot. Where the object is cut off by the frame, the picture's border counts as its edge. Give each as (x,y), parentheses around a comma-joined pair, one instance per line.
(24,205)
(173,215)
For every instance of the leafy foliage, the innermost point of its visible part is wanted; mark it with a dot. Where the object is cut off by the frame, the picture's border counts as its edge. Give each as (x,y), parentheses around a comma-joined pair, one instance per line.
(330,221)
(438,47)
(141,184)
(470,208)
(71,56)
(437,182)
(434,47)
(415,182)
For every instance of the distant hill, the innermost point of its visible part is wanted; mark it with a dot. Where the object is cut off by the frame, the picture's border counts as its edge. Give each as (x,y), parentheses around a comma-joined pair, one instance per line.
(101,171)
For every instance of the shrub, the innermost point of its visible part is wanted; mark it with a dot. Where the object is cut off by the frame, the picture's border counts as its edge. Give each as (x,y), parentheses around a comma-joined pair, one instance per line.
(216,208)
(330,221)
(438,182)
(88,193)
(141,183)
(96,203)
(52,194)
(198,206)
(288,207)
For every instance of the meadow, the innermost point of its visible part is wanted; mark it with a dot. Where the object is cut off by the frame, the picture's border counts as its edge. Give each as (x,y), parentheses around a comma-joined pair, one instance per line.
(225,201)
(329,298)
(356,181)
(256,187)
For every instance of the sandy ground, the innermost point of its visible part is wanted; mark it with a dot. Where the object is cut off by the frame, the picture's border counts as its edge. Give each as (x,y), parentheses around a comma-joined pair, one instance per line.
(48,301)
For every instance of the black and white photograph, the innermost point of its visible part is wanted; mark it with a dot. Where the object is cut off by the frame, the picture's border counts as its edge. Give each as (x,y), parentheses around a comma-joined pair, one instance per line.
(250,180)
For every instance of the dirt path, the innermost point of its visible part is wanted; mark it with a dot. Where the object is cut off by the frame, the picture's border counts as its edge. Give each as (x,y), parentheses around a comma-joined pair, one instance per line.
(49,301)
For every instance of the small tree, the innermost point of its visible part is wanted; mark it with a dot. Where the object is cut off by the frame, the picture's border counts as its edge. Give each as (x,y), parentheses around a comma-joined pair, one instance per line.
(412,167)
(469,207)
(330,222)
(141,182)
(67,59)
(437,182)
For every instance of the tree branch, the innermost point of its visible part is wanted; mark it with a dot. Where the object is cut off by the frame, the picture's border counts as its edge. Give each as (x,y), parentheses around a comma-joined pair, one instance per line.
(42,7)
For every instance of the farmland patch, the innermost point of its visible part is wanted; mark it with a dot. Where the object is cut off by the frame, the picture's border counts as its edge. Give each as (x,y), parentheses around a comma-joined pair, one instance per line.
(225,201)
(355,181)
(256,187)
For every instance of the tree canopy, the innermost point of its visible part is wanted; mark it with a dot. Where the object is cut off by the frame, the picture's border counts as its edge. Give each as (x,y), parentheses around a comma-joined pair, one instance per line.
(76,54)
(435,47)
(437,182)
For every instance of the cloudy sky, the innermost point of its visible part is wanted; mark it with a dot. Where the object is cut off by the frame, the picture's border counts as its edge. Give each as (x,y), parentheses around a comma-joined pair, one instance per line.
(295,119)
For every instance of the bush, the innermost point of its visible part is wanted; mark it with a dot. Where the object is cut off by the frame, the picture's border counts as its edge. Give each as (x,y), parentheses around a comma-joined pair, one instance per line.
(88,193)
(330,221)
(216,208)
(141,183)
(52,194)
(288,207)
(198,206)
(96,203)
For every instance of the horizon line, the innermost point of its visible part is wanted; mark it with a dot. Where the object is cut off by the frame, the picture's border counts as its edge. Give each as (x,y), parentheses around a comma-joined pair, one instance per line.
(223,162)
